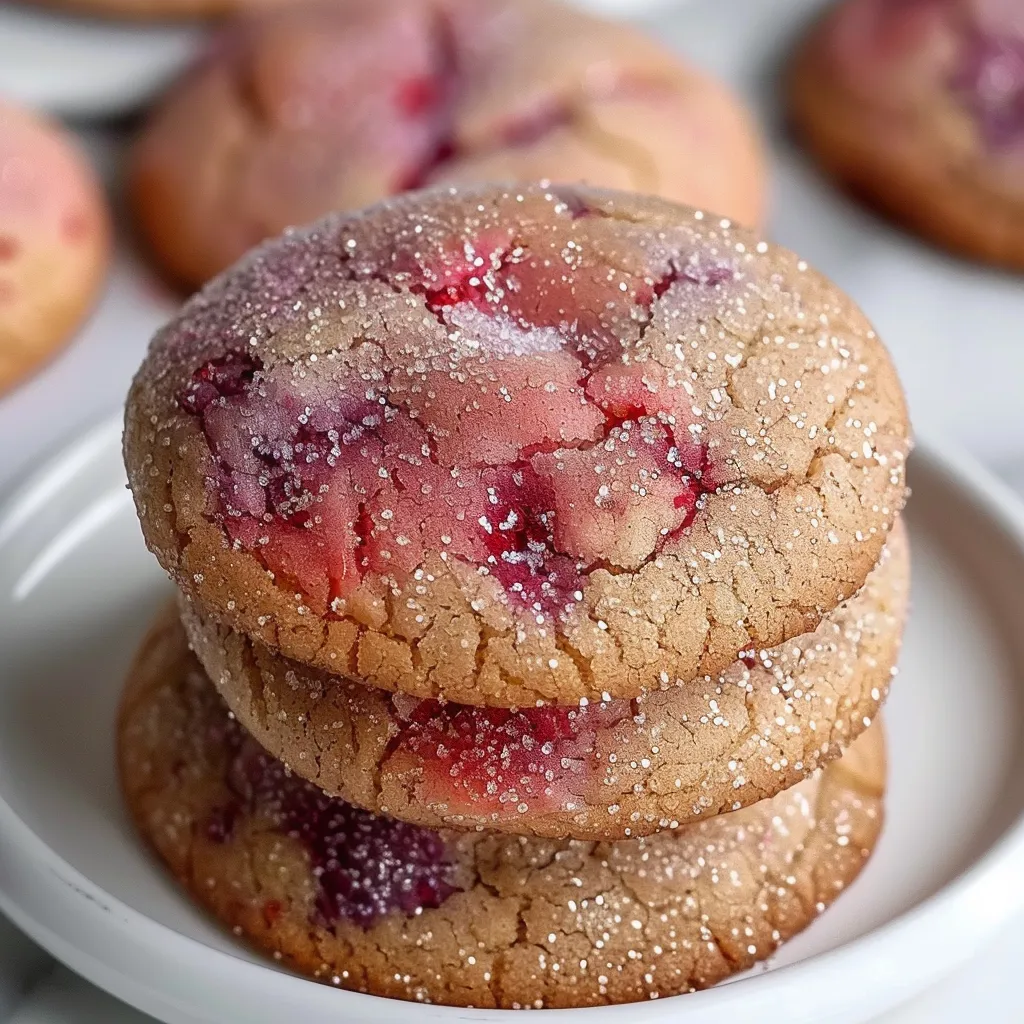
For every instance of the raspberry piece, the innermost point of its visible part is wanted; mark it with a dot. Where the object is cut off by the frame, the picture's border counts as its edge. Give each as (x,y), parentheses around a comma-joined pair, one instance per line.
(517,528)
(226,376)
(503,762)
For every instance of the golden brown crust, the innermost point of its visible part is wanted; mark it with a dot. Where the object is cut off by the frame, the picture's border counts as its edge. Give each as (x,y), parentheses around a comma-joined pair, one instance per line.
(901,166)
(534,923)
(54,241)
(798,402)
(685,754)
(538,90)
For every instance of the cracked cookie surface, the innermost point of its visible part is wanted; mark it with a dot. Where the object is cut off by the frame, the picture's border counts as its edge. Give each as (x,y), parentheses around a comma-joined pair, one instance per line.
(369,904)
(602,771)
(311,109)
(919,107)
(509,448)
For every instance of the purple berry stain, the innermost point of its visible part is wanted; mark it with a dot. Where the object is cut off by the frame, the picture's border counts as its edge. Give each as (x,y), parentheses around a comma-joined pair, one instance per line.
(990,77)
(366,866)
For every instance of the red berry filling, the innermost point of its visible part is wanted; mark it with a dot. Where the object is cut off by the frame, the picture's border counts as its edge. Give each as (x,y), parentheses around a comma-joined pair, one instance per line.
(414,97)
(366,866)
(223,377)
(533,450)
(571,199)
(691,274)
(617,502)
(487,760)
(472,275)
(517,527)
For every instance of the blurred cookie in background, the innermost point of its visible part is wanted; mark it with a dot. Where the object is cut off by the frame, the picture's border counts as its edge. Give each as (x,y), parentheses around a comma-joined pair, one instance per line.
(331,106)
(54,241)
(918,106)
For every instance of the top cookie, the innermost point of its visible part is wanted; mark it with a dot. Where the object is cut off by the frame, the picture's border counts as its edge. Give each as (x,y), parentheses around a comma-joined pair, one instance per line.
(318,107)
(510,447)
(920,107)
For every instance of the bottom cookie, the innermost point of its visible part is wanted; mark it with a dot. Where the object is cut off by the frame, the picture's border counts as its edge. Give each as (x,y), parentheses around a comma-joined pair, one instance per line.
(473,919)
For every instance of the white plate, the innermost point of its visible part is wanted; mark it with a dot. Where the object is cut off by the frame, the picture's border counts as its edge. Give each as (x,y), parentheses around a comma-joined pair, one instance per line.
(77,589)
(85,67)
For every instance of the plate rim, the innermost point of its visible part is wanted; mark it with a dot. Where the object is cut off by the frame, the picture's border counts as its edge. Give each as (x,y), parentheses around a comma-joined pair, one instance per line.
(952,916)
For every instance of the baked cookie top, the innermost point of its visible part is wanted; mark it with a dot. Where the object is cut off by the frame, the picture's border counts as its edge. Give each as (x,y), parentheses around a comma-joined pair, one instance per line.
(949,72)
(318,107)
(367,903)
(604,771)
(515,446)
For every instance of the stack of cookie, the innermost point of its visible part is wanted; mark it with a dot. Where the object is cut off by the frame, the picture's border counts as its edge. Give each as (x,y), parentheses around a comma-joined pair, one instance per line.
(539,558)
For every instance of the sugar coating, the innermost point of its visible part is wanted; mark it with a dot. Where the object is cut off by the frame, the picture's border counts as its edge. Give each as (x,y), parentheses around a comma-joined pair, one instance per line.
(54,241)
(602,771)
(528,923)
(509,447)
(318,107)
(920,105)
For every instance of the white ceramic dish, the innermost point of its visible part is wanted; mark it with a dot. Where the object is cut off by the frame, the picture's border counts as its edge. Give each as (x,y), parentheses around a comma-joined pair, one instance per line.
(77,588)
(88,67)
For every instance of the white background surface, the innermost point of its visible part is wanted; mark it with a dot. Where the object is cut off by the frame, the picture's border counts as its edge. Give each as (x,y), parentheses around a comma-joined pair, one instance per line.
(104,65)
(957,333)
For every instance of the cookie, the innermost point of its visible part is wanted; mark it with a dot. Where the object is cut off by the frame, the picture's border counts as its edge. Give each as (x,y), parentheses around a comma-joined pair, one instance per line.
(369,904)
(315,108)
(919,108)
(518,447)
(54,241)
(602,771)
